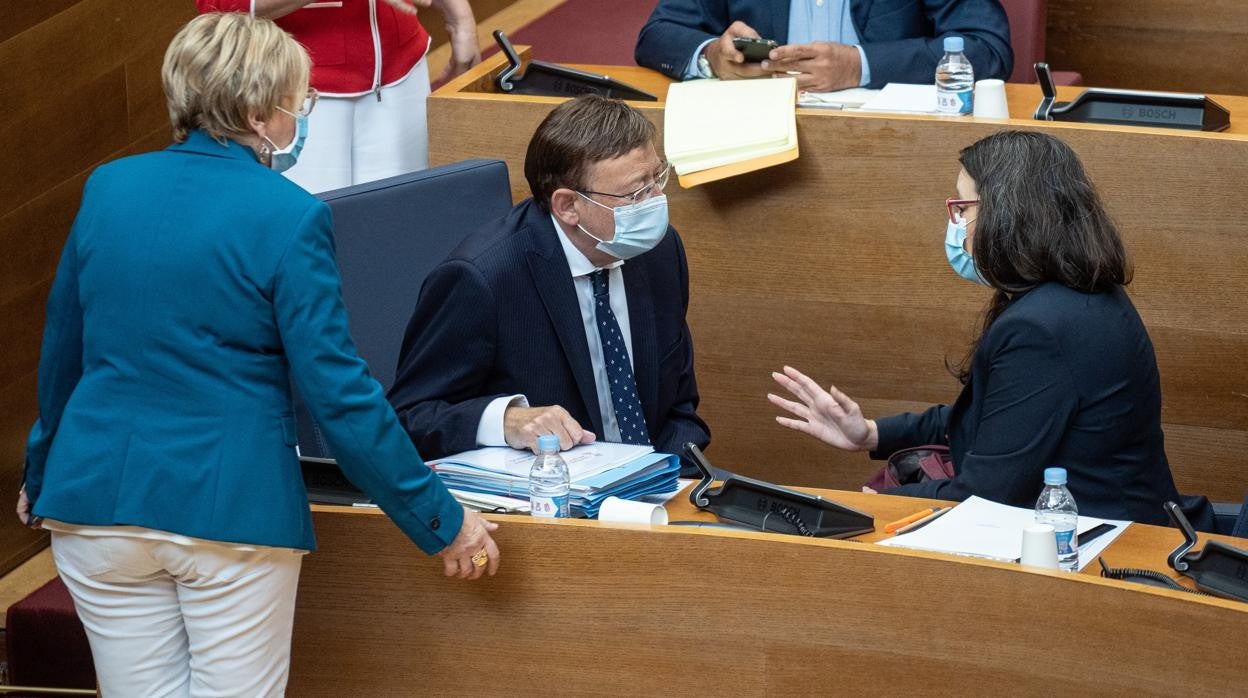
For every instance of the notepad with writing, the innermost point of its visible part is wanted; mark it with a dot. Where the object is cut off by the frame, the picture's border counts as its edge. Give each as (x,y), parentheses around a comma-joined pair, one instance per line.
(714,129)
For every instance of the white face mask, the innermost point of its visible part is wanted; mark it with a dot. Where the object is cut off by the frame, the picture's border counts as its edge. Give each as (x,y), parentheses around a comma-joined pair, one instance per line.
(962,262)
(639,227)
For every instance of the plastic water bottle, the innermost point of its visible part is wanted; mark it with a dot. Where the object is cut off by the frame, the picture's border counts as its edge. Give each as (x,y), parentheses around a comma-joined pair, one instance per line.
(1057,508)
(549,481)
(955,79)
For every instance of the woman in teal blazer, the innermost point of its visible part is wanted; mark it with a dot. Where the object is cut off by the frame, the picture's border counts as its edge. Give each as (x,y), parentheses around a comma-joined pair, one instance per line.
(197,281)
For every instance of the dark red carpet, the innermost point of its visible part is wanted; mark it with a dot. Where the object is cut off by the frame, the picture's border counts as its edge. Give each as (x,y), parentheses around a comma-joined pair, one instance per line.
(596,32)
(46,643)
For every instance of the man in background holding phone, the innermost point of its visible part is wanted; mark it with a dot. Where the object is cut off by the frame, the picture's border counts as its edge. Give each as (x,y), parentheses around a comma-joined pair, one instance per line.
(828,44)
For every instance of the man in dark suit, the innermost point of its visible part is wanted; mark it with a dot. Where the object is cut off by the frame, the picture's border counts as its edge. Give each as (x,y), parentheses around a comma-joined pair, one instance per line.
(567,316)
(829,44)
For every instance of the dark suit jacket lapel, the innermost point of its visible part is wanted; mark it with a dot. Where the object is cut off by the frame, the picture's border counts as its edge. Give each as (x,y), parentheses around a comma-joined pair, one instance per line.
(553,279)
(642,329)
(858,11)
(779,24)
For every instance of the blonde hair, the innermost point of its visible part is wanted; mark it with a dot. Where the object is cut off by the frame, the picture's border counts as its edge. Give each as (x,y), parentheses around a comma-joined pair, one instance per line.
(223,67)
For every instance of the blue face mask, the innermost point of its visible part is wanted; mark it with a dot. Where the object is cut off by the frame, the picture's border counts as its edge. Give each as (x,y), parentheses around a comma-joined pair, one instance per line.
(639,227)
(961,260)
(285,158)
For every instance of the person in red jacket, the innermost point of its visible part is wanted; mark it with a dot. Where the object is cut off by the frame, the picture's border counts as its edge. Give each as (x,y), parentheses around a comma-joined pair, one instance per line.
(368,58)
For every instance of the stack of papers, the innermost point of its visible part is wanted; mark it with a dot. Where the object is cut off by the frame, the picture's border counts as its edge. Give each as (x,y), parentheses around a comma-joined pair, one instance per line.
(900,98)
(597,471)
(492,503)
(709,124)
(852,98)
(980,528)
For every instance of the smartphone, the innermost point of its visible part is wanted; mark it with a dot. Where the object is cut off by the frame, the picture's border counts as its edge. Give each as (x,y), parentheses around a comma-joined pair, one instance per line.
(755,50)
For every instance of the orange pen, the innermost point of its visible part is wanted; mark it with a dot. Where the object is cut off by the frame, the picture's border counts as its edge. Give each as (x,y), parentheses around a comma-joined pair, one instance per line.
(910,519)
(924,521)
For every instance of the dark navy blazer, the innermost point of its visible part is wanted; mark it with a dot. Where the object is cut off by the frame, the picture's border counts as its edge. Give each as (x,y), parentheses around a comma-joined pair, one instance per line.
(902,39)
(500,317)
(194,285)
(1062,378)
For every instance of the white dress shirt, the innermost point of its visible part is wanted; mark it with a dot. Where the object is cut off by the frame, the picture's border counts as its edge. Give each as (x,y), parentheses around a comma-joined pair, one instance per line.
(490,428)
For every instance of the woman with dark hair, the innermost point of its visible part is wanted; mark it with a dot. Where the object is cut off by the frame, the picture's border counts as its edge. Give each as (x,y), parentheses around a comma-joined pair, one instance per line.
(1062,373)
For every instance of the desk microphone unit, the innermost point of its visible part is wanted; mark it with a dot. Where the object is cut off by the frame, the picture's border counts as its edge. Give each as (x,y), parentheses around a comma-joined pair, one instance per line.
(1131,107)
(549,80)
(324,480)
(326,484)
(762,506)
(1217,568)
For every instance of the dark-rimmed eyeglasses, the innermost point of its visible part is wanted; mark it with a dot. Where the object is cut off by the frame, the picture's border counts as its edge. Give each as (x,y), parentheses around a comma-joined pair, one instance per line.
(654,186)
(957,207)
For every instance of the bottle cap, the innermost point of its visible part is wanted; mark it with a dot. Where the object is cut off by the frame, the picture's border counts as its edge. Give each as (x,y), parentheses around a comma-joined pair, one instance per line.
(1055,476)
(550,442)
(954,44)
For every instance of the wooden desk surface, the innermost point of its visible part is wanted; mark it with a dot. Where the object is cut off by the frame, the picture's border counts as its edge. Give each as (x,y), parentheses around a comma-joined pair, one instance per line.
(833,263)
(1141,546)
(1023,100)
(585,607)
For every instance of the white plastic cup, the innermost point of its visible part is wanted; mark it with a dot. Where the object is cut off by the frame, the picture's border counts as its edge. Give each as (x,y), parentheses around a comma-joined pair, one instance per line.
(1039,547)
(616,510)
(990,100)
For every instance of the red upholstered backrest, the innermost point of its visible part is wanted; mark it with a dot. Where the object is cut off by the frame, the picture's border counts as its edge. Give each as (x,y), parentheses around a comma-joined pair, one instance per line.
(1027,33)
(47,645)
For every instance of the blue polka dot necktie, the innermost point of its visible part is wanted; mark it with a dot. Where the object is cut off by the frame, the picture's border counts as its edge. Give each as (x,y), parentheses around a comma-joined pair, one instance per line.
(619,371)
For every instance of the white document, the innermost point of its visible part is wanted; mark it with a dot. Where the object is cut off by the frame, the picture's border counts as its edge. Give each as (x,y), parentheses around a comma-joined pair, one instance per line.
(493,503)
(709,123)
(665,497)
(583,461)
(980,528)
(902,98)
(852,98)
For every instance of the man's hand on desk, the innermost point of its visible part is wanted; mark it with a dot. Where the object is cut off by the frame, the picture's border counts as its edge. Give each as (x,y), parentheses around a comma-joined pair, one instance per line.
(821,66)
(522,426)
(726,61)
(828,415)
(472,541)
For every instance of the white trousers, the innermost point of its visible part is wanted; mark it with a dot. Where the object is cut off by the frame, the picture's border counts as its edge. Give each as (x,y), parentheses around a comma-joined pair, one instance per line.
(359,139)
(165,619)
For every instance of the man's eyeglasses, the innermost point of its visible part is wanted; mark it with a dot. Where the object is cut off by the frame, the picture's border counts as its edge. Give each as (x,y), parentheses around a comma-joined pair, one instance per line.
(309,102)
(655,186)
(957,207)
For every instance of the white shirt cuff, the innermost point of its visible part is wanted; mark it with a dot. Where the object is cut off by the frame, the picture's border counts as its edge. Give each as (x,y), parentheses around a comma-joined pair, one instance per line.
(866,67)
(691,71)
(490,429)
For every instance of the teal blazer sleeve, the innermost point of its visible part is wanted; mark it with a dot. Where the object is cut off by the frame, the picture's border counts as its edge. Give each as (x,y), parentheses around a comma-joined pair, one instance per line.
(372,449)
(60,364)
